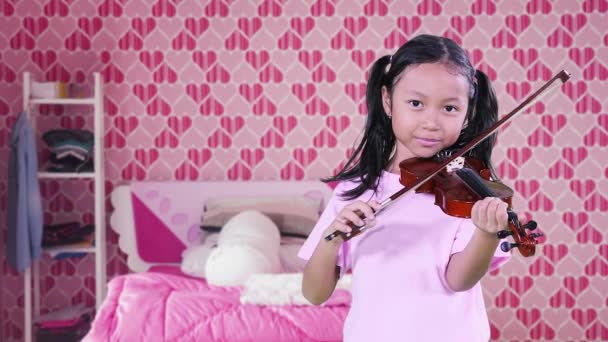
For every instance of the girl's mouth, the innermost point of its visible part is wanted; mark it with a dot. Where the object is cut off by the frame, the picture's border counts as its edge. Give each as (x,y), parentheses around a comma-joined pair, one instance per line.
(427,142)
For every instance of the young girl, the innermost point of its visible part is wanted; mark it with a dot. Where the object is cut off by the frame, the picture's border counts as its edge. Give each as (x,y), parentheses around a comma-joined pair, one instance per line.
(416,272)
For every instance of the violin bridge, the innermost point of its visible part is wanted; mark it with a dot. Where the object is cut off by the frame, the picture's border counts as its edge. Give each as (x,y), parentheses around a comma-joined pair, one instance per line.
(456,164)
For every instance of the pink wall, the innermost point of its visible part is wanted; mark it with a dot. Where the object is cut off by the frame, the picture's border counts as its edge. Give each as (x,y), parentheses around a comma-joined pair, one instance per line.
(226,89)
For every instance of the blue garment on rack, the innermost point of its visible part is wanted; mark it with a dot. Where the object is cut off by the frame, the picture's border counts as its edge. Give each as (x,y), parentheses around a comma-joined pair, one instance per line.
(24,203)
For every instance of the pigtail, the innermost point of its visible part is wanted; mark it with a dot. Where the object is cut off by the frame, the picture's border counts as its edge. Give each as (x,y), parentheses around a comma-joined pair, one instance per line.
(486,115)
(373,153)
(482,114)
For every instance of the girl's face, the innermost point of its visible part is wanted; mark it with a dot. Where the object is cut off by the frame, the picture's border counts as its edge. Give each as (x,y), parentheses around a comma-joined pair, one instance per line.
(428,107)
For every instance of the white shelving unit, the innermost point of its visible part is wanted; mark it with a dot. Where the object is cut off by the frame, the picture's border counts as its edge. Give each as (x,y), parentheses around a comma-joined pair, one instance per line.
(62,175)
(98,178)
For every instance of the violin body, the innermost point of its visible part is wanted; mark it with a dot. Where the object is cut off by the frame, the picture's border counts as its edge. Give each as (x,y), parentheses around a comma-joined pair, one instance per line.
(457,191)
(451,194)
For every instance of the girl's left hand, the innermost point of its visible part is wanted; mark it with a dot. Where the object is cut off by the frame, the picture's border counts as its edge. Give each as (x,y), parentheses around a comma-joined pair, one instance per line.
(490,215)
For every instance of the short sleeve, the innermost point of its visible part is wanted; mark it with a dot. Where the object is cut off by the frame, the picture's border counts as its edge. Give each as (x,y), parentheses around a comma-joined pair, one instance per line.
(327,217)
(462,238)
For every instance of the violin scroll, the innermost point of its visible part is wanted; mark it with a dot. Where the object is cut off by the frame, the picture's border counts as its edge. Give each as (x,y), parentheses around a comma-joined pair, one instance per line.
(524,242)
(526,245)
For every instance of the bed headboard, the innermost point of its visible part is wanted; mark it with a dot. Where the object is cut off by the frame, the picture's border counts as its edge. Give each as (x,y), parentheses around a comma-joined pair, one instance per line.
(156,221)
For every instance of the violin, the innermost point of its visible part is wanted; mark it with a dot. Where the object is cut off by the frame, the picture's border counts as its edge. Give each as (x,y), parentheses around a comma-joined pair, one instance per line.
(464,182)
(457,187)
(447,186)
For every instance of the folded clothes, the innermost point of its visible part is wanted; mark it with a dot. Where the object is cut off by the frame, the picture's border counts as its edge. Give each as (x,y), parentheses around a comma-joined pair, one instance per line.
(72,250)
(59,156)
(49,90)
(70,333)
(66,317)
(71,150)
(59,226)
(58,136)
(65,233)
(70,163)
(85,167)
(82,149)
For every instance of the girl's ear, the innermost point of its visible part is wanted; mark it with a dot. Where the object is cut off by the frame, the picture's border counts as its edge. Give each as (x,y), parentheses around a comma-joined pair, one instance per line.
(465,123)
(386,101)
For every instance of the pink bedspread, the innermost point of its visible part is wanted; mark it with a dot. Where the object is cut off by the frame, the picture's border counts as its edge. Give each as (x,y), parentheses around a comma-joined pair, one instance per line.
(167,307)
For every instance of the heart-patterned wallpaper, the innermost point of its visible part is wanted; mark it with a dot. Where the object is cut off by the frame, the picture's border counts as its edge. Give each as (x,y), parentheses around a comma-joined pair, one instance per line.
(274,89)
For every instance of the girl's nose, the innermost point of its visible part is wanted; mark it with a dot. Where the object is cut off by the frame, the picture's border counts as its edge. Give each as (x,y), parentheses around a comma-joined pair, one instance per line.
(431,120)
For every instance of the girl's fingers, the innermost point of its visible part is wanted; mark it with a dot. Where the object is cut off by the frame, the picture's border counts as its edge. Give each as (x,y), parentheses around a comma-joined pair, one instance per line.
(365,208)
(352,217)
(492,212)
(375,205)
(480,210)
(497,213)
(358,213)
(362,207)
(501,214)
(522,218)
(342,227)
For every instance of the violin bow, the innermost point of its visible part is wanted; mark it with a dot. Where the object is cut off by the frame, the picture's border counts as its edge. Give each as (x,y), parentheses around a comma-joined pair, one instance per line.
(557,80)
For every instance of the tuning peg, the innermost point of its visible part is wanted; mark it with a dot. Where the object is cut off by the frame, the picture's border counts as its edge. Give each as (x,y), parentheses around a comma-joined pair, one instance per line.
(504,233)
(507,246)
(536,235)
(531,225)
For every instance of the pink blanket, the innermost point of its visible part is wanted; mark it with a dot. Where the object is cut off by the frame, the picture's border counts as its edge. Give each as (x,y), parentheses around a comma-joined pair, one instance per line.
(166,307)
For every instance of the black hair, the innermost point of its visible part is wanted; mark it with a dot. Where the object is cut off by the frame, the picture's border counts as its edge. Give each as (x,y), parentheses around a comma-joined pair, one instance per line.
(373,154)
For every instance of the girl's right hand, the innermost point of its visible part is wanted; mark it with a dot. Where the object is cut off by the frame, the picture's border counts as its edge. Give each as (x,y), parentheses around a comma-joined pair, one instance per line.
(351,214)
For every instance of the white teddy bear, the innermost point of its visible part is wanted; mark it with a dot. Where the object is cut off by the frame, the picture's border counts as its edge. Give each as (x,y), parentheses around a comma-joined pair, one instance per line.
(248,244)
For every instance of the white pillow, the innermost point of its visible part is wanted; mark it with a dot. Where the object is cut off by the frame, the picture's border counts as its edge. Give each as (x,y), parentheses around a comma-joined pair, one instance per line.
(248,244)
(233,265)
(251,228)
(292,214)
(194,260)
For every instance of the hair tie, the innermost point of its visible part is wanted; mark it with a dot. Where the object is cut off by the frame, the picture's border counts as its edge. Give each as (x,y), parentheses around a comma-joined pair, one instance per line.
(388,66)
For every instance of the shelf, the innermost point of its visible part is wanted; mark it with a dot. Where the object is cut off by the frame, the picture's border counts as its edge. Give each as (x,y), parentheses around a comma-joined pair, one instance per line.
(85,101)
(66,175)
(96,248)
(68,249)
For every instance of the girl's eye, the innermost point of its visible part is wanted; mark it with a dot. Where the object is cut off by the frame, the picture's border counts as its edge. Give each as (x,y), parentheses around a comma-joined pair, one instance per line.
(415,103)
(450,109)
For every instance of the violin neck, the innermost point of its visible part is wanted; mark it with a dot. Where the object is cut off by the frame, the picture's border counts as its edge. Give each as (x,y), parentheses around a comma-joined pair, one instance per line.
(475,182)
(479,185)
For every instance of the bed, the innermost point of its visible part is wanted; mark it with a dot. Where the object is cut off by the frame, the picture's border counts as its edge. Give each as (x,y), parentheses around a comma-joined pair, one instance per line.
(156,222)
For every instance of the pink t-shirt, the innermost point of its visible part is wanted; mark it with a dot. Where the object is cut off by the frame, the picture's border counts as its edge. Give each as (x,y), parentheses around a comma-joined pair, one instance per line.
(399,290)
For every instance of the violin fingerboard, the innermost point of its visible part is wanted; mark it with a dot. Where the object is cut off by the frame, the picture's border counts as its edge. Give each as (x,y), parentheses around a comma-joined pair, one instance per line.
(474,181)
